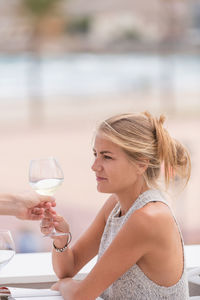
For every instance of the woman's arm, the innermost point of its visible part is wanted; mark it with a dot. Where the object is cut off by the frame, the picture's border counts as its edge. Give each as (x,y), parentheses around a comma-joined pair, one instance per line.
(132,242)
(69,262)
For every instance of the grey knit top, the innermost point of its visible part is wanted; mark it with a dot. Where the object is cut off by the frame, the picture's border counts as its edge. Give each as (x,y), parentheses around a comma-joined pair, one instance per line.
(134,284)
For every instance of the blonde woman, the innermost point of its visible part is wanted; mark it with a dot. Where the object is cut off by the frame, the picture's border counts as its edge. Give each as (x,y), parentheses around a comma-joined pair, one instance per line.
(137,239)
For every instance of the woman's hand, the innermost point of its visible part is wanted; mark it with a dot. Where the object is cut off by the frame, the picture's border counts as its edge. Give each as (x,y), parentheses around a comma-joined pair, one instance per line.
(68,288)
(53,220)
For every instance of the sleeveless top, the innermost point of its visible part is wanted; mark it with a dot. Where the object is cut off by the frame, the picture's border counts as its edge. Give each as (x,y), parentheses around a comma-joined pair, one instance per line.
(134,284)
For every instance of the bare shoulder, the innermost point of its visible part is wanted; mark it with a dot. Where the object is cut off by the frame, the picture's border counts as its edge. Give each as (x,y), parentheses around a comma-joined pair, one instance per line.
(153,218)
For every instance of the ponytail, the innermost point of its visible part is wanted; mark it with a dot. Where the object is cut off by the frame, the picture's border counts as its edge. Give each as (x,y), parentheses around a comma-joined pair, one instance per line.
(174,156)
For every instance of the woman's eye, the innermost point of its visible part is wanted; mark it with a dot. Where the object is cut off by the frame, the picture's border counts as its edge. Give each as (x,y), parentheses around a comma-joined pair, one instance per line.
(94,153)
(107,157)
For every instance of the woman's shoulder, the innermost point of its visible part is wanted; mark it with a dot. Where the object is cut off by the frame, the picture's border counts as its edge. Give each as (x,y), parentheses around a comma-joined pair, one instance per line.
(155,209)
(154,217)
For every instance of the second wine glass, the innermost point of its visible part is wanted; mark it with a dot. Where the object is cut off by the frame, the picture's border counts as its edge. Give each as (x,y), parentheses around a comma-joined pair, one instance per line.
(45,176)
(7,247)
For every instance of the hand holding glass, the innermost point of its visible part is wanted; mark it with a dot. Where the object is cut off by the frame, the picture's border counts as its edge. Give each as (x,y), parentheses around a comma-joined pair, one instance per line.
(7,247)
(45,176)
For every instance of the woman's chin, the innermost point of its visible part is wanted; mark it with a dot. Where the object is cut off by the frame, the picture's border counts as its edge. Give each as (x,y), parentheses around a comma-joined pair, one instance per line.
(102,189)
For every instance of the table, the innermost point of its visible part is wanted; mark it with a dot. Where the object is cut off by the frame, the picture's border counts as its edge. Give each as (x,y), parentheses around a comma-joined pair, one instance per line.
(192,256)
(35,269)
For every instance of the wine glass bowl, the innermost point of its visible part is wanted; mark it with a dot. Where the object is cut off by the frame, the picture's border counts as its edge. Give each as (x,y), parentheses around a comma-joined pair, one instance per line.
(45,176)
(7,247)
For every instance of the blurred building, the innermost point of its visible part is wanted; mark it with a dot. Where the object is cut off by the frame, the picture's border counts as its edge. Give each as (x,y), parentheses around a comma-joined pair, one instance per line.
(14,30)
(133,22)
(194,26)
(101,25)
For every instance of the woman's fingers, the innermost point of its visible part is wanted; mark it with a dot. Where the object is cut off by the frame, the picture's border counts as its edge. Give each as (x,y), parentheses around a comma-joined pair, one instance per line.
(46,225)
(49,213)
(60,224)
(55,286)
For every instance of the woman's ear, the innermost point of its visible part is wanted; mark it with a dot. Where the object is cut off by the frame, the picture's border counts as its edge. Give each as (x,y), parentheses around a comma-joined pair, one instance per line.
(142,166)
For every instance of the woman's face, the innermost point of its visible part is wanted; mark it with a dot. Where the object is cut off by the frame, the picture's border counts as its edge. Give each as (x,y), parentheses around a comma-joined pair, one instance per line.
(114,171)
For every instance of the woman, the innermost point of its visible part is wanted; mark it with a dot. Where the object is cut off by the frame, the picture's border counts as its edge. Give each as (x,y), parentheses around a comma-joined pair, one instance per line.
(25,206)
(137,239)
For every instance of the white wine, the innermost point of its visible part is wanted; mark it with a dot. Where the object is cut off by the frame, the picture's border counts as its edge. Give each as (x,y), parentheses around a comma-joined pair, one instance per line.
(46,187)
(5,257)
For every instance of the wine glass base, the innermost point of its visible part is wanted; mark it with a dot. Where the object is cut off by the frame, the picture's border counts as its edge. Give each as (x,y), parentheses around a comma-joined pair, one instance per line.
(52,234)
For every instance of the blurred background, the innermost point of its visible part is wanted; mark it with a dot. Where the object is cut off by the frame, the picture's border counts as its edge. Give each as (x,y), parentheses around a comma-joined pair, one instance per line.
(65,66)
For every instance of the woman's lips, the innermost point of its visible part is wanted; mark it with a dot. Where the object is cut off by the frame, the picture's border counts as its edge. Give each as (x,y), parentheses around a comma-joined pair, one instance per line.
(100,178)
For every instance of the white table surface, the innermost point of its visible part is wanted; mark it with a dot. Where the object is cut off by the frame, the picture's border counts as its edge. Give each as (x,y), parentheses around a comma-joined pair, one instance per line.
(33,268)
(37,267)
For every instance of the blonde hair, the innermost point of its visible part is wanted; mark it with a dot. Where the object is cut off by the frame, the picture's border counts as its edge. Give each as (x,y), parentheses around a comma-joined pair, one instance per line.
(144,139)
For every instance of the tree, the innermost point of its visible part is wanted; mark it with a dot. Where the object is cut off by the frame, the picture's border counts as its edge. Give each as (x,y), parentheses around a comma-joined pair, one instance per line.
(37,12)
(173,18)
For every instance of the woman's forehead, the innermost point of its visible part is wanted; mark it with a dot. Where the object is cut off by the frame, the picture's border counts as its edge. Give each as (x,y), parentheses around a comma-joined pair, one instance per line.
(102,142)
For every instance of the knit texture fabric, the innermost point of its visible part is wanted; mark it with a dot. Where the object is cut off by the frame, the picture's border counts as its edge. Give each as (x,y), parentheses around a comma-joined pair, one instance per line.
(134,284)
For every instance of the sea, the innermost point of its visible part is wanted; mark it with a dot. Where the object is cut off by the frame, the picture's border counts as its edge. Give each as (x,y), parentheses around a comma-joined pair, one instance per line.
(91,74)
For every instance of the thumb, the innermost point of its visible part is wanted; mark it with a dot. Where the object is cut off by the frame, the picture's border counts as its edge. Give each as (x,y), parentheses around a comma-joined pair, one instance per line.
(46,198)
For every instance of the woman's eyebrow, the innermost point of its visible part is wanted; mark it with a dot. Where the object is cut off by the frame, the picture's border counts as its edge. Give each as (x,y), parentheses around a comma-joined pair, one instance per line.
(105,151)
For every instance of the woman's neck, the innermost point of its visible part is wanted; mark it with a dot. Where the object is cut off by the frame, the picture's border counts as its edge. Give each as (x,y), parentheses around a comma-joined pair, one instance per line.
(128,197)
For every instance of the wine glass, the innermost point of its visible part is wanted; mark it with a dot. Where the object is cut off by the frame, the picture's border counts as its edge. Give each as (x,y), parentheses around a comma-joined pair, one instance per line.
(45,176)
(7,247)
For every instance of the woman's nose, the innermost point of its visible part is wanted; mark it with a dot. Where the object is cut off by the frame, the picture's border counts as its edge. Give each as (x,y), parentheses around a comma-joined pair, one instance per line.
(96,167)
